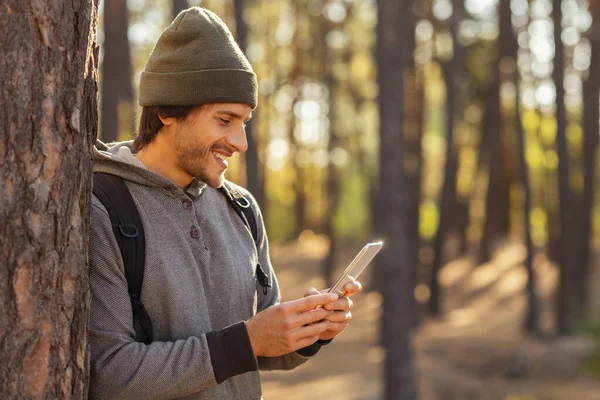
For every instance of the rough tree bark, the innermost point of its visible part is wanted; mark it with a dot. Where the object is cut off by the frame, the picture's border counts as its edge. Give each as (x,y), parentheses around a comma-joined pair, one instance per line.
(117,92)
(392,217)
(48,119)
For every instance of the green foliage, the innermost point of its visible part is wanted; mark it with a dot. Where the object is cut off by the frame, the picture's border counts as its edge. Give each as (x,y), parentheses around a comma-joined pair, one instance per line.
(351,218)
(429,217)
(279,217)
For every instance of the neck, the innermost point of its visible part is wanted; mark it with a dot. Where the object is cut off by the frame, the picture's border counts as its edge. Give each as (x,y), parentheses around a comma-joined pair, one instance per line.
(159,156)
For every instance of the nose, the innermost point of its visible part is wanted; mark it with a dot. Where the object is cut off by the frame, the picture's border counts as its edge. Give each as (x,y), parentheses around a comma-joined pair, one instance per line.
(238,139)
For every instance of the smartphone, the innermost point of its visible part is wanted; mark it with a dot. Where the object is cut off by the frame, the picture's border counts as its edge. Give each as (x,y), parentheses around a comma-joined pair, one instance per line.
(356,267)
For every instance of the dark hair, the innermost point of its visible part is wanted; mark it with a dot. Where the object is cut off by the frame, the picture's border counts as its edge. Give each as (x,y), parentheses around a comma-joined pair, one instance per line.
(150,123)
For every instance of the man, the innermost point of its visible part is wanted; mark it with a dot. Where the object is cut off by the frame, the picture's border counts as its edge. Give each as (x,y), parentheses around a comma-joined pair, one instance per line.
(212,328)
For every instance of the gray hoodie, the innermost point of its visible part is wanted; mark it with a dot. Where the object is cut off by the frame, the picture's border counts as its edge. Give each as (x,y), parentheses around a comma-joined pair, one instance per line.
(199,287)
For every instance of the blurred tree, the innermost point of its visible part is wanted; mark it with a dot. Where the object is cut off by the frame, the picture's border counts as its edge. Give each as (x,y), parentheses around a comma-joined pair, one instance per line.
(591,115)
(392,218)
(567,307)
(510,68)
(332,182)
(295,80)
(497,203)
(454,210)
(252,177)
(178,6)
(451,70)
(48,123)
(413,134)
(117,92)
(532,313)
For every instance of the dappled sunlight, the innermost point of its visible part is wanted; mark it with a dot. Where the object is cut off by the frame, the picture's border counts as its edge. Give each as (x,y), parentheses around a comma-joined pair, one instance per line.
(455,271)
(484,275)
(329,387)
(465,352)
(513,282)
(507,255)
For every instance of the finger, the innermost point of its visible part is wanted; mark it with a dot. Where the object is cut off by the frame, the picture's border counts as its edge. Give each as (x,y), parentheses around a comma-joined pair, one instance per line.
(352,288)
(340,316)
(310,330)
(343,304)
(305,342)
(307,303)
(311,291)
(309,317)
(337,326)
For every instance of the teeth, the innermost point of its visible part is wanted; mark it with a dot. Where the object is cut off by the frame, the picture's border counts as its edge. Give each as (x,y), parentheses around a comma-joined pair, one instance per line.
(220,156)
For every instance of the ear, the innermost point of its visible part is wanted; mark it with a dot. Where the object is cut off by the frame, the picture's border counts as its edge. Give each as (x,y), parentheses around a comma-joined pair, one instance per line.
(166,121)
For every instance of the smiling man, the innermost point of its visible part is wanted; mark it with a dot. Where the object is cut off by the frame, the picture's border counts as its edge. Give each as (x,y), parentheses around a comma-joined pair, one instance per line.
(200,313)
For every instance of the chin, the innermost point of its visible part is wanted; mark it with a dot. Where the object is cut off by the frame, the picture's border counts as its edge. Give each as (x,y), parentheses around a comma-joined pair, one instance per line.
(215,182)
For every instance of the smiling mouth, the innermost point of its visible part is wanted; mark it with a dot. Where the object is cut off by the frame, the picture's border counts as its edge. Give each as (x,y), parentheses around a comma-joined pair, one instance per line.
(220,156)
(221,159)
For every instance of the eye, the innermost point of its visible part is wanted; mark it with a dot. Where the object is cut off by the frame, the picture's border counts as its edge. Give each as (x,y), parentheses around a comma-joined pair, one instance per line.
(225,121)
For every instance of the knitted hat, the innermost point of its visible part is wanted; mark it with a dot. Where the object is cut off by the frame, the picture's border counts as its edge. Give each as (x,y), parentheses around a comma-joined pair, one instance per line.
(197,61)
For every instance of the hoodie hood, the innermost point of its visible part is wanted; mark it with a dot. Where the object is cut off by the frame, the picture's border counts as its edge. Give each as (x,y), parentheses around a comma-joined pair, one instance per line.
(118,159)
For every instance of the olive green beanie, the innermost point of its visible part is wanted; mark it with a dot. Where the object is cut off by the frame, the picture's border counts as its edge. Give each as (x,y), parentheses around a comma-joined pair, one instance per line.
(197,61)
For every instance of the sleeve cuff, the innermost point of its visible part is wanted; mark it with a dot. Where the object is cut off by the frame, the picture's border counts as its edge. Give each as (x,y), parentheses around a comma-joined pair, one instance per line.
(313,349)
(231,352)
(324,342)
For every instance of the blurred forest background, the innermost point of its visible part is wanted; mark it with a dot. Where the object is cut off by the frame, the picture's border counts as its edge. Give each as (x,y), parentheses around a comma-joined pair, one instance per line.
(464,133)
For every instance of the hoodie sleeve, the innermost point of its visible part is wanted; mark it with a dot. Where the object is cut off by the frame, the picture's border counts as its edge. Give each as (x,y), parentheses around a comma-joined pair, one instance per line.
(290,360)
(122,368)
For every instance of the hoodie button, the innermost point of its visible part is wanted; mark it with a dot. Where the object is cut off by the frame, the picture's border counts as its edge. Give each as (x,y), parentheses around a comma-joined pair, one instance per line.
(187,204)
(195,232)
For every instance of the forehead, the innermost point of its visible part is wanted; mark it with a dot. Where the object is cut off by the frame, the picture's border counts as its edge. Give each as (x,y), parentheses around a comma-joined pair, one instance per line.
(235,110)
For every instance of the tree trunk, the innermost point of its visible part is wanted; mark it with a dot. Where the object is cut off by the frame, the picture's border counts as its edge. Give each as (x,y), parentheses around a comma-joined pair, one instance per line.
(451,75)
(497,203)
(48,119)
(332,183)
(532,313)
(117,93)
(414,106)
(331,186)
(394,203)
(591,115)
(300,170)
(178,6)
(252,178)
(567,308)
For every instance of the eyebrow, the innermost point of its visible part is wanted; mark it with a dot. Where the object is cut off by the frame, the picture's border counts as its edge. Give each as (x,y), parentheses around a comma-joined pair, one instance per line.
(233,114)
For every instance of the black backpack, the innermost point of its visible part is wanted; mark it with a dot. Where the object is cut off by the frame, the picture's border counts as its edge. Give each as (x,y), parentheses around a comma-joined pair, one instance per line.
(113,193)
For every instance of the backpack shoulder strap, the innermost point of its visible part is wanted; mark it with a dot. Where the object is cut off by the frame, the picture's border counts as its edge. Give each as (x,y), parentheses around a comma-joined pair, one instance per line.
(243,207)
(127,226)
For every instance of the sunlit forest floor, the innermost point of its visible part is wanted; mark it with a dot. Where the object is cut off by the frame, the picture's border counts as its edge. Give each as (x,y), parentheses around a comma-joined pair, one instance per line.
(476,351)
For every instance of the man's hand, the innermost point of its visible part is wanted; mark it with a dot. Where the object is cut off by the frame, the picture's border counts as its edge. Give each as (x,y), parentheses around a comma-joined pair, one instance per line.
(289,326)
(342,310)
